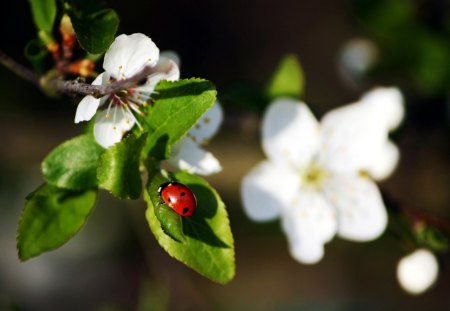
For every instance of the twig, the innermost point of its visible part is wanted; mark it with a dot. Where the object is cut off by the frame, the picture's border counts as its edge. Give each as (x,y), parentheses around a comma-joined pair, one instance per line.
(20,70)
(55,84)
(415,215)
(81,88)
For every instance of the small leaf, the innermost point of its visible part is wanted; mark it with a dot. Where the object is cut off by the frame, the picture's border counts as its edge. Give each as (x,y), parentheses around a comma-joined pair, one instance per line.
(431,238)
(118,171)
(37,55)
(177,108)
(44,14)
(171,222)
(95,31)
(51,217)
(287,80)
(73,164)
(208,246)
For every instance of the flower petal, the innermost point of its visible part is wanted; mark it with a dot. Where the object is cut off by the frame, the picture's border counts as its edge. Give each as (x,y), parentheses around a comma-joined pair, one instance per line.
(386,104)
(385,162)
(268,188)
(89,104)
(167,69)
(87,108)
(208,125)
(417,271)
(361,212)
(128,54)
(187,155)
(290,132)
(309,223)
(351,138)
(109,128)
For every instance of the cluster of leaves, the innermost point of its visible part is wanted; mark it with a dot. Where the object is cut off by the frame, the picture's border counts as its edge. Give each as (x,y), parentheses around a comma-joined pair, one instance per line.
(95,27)
(75,170)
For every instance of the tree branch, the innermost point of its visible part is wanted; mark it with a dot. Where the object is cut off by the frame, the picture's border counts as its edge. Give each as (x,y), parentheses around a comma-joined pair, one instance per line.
(20,70)
(55,84)
(415,215)
(81,88)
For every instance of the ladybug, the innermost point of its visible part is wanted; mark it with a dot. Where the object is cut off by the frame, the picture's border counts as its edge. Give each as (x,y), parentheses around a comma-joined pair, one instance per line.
(179,197)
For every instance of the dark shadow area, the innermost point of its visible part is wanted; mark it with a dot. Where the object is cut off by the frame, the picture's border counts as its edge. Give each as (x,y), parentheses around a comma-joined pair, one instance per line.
(196,226)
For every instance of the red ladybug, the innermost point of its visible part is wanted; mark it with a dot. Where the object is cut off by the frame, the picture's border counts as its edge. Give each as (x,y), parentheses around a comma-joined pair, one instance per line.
(179,197)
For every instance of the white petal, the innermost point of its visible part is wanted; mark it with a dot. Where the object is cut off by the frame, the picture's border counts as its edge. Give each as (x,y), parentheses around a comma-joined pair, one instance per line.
(417,271)
(208,125)
(87,108)
(187,155)
(101,79)
(351,138)
(268,188)
(171,55)
(309,223)
(361,212)
(290,133)
(128,54)
(386,104)
(109,129)
(385,162)
(167,69)
(89,104)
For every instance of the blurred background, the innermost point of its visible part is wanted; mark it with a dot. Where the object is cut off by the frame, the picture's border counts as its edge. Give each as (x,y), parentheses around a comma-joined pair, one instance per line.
(345,48)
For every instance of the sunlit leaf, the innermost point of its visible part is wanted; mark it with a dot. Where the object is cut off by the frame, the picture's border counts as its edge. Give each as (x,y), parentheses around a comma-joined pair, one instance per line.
(287,80)
(208,247)
(177,108)
(73,164)
(118,171)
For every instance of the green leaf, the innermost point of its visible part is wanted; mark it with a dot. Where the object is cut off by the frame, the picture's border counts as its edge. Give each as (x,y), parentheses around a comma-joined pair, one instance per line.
(287,80)
(95,31)
(118,171)
(73,164)
(171,222)
(431,238)
(44,14)
(37,55)
(51,217)
(177,108)
(208,247)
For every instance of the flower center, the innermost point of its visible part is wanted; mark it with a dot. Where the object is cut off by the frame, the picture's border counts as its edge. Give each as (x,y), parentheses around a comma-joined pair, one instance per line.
(313,176)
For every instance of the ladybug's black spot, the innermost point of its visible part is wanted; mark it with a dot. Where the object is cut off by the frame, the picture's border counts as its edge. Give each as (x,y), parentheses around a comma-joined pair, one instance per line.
(185,210)
(170,199)
(182,194)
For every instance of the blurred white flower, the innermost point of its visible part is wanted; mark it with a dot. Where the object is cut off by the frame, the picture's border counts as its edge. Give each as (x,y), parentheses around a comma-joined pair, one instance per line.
(188,154)
(126,56)
(358,56)
(317,176)
(417,271)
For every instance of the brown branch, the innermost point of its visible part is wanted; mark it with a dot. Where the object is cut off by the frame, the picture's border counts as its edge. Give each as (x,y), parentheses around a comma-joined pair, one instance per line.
(54,84)
(415,215)
(20,70)
(81,88)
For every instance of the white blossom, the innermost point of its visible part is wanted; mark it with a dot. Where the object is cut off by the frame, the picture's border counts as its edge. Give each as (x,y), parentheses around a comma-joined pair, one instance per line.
(318,176)
(126,56)
(188,154)
(417,271)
